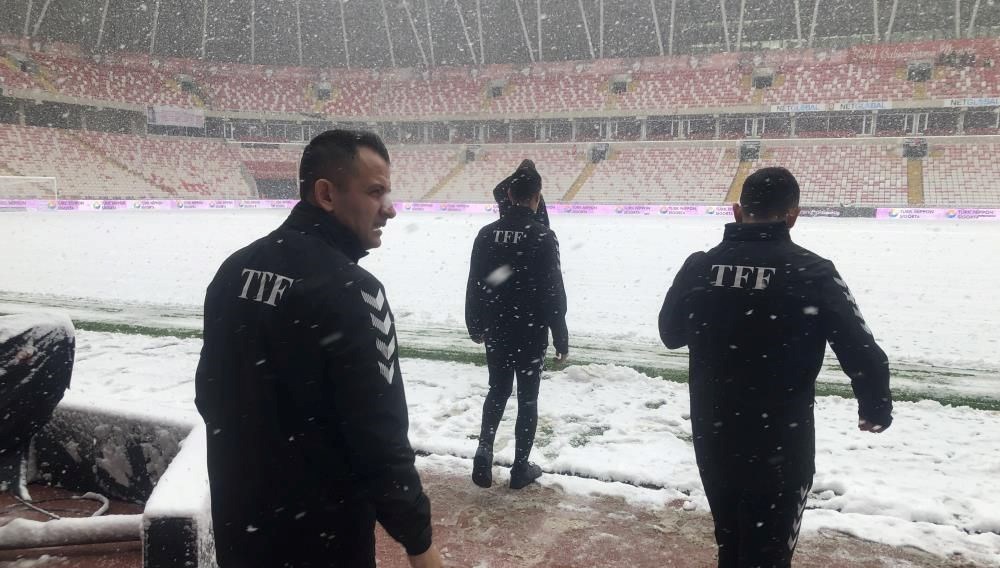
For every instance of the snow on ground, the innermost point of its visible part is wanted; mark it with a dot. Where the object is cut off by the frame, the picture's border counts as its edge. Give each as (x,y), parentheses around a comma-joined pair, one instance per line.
(925,287)
(929,481)
(43,561)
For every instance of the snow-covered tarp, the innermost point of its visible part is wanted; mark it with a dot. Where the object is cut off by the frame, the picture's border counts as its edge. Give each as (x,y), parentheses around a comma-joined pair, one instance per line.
(36,366)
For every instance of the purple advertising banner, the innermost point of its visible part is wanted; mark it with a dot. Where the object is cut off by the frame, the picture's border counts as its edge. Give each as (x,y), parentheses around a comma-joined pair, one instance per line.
(109,204)
(419,206)
(491,208)
(15,204)
(153,204)
(926,213)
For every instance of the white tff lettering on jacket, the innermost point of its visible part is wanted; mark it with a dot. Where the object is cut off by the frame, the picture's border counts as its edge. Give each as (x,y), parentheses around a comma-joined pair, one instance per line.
(269,287)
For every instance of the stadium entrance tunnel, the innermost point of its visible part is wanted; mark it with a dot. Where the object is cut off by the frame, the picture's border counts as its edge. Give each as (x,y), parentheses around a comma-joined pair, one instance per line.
(148,473)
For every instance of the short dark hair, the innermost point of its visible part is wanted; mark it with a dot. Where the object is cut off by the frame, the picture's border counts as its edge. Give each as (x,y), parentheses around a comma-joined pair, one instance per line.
(769,193)
(331,154)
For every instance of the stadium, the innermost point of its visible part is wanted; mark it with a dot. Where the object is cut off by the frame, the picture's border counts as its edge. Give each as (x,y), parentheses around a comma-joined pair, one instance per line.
(673,103)
(143,141)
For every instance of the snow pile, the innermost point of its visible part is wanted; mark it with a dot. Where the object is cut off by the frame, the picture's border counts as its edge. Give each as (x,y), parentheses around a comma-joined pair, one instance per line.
(136,376)
(928,481)
(24,533)
(53,326)
(183,489)
(43,561)
(183,492)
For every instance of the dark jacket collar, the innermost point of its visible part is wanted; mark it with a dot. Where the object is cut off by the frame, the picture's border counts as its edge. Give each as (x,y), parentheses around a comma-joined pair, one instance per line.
(309,219)
(757,232)
(520,211)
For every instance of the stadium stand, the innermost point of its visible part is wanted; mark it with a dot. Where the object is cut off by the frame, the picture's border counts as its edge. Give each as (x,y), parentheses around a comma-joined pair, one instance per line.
(249,88)
(270,162)
(686,89)
(87,79)
(651,174)
(705,102)
(857,172)
(428,97)
(831,83)
(559,166)
(11,76)
(540,88)
(964,81)
(181,167)
(546,93)
(416,171)
(352,97)
(82,171)
(965,174)
(848,175)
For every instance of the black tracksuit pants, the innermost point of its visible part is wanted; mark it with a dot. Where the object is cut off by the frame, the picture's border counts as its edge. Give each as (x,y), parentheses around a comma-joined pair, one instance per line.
(501,386)
(338,537)
(756,527)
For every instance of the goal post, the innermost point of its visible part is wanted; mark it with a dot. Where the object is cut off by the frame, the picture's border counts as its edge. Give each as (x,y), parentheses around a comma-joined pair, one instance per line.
(28,187)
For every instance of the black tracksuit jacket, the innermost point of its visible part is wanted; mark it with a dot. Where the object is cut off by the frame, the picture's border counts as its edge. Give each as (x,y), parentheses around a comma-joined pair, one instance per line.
(756,313)
(515,291)
(300,388)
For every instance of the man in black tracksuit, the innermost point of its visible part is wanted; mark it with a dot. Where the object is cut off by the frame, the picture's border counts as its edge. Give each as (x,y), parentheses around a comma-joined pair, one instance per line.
(756,313)
(514,296)
(299,381)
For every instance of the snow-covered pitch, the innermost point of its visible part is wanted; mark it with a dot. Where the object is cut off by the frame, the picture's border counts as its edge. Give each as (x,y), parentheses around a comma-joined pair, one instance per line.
(926,289)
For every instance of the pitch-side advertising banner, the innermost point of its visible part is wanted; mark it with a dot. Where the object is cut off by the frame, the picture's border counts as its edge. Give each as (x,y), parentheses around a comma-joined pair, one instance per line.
(919,213)
(626,210)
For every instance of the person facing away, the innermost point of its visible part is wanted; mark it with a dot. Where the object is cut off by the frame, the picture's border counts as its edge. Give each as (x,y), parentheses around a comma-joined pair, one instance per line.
(299,381)
(514,295)
(501,194)
(756,313)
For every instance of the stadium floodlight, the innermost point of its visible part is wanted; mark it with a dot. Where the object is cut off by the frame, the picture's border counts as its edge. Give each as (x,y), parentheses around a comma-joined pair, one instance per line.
(28,187)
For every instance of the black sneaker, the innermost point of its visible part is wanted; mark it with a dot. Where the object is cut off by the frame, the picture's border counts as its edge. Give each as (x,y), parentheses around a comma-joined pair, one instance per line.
(523,474)
(482,468)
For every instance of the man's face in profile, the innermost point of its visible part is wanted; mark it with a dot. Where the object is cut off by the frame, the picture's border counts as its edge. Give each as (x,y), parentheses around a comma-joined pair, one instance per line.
(361,202)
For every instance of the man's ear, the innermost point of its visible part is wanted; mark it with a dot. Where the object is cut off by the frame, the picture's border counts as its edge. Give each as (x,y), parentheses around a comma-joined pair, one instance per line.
(323,191)
(793,215)
(737,213)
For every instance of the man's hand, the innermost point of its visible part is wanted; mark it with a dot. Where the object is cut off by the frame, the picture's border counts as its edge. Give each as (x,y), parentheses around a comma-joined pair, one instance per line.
(478,340)
(562,357)
(866,426)
(429,559)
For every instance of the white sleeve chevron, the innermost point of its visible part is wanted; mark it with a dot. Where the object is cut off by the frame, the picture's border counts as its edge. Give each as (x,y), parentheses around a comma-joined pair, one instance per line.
(377,301)
(384,325)
(388,371)
(387,349)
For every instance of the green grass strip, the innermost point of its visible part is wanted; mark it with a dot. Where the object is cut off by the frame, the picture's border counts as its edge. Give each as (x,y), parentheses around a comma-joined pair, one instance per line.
(479,358)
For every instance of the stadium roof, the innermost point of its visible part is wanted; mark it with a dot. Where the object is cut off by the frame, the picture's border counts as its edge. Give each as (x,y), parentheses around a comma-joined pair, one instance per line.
(338,33)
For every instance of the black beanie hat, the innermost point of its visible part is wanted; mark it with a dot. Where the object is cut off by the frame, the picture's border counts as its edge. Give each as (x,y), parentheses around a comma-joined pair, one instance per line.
(524,182)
